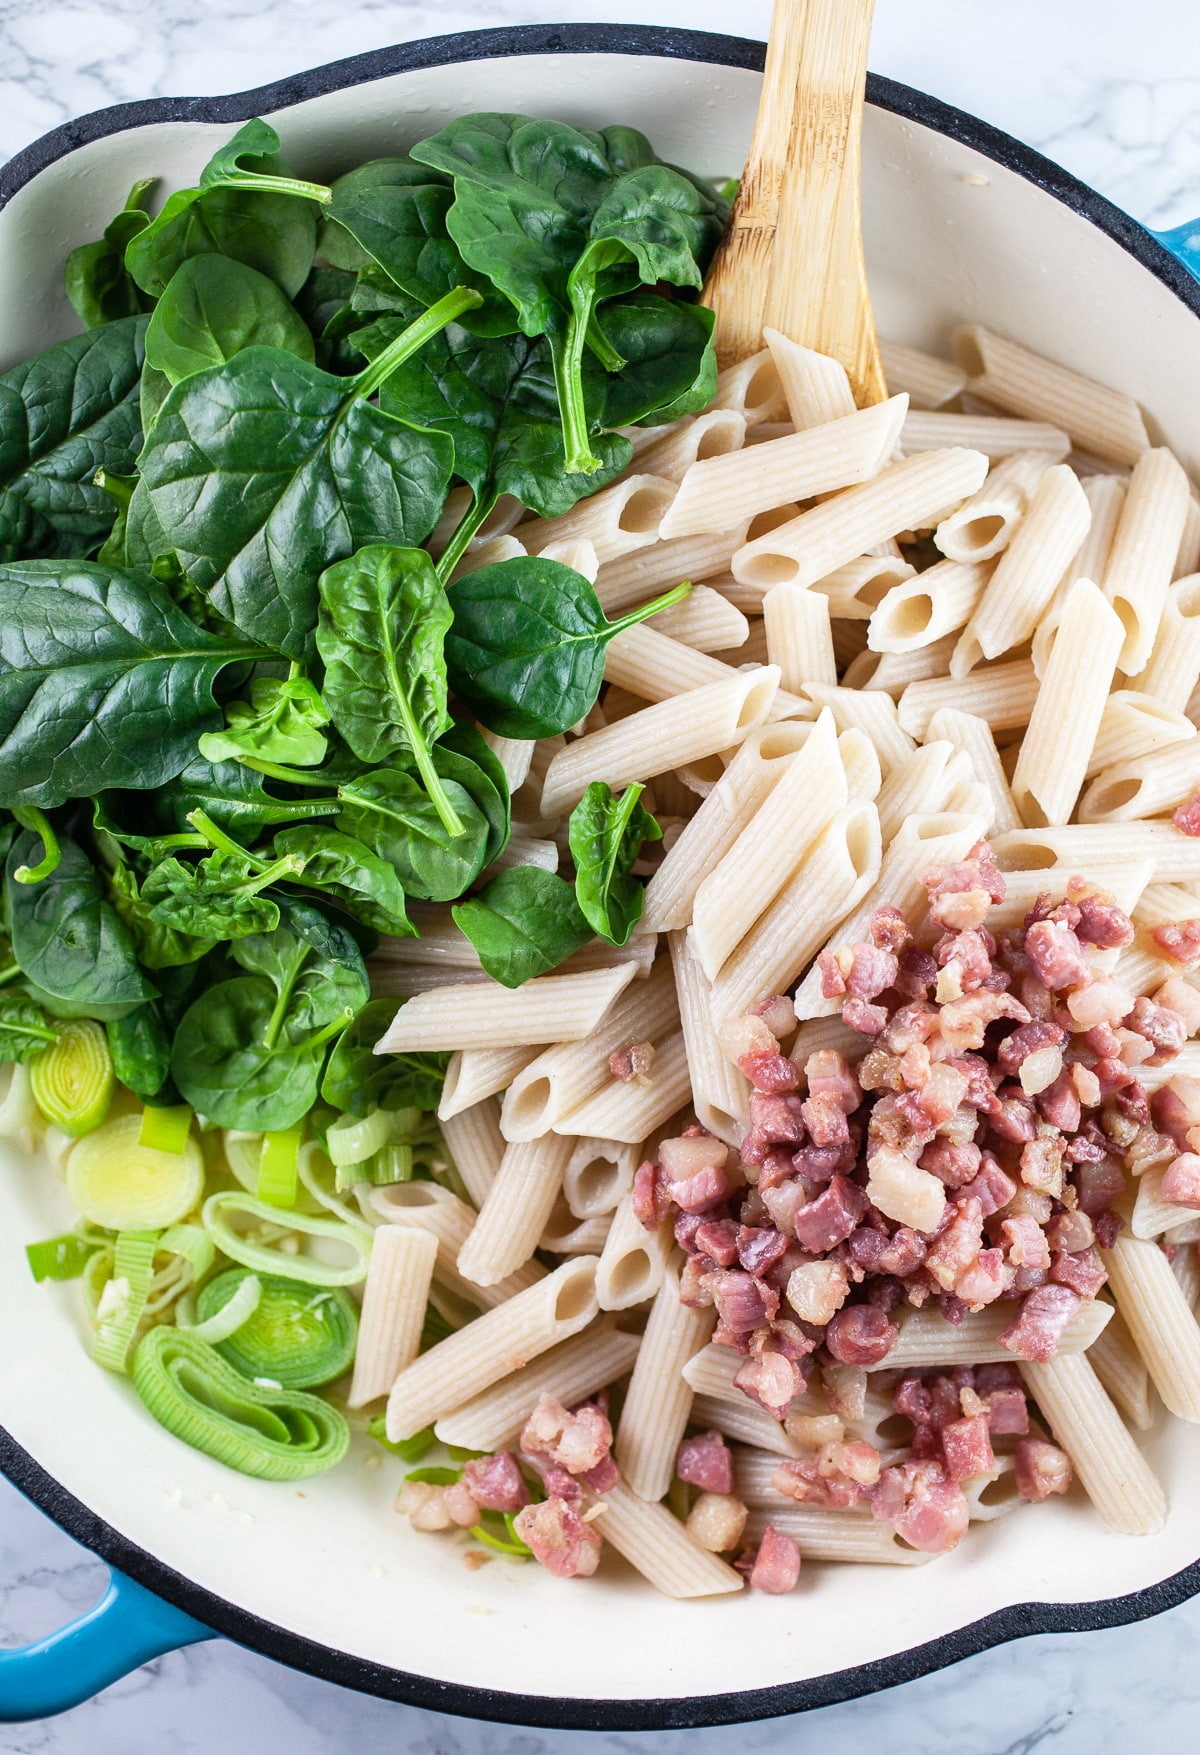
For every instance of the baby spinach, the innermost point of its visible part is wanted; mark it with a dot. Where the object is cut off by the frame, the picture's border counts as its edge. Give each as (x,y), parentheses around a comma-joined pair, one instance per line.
(560,218)
(70,943)
(526,649)
(246,207)
(605,835)
(141,1051)
(523,923)
(218,898)
(213,308)
(380,634)
(283,721)
(463,755)
(229,793)
(98,284)
(357,1079)
(25,1030)
(264,471)
(392,212)
(345,868)
(63,415)
(389,810)
(159,944)
(103,682)
(249,1052)
(325,293)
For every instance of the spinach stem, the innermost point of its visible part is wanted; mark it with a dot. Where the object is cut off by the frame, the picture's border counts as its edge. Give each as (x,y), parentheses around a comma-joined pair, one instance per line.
(38,823)
(599,345)
(676,594)
(277,771)
(9,972)
(218,840)
(467,528)
(279,1011)
(462,298)
(451,821)
(278,186)
(346,1016)
(568,381)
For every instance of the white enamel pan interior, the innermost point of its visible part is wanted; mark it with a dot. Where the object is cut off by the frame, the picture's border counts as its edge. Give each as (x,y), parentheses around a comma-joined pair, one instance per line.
(327,1576)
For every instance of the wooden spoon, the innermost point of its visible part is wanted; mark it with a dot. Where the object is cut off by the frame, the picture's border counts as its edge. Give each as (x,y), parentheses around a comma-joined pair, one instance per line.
(792,257)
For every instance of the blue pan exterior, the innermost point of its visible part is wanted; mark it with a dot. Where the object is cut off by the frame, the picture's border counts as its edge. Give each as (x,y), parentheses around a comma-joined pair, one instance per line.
(1158,257)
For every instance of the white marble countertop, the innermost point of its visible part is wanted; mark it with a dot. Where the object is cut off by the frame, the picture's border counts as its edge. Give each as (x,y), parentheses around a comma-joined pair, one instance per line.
(1113,94)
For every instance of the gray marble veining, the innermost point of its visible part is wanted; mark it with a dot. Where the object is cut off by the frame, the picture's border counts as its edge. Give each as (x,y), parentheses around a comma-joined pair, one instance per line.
(1116,98)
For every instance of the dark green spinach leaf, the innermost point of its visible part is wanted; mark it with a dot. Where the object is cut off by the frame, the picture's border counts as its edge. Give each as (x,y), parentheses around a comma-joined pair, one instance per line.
(220,898)
(215,307)
(98,284)
(391,812)
(25,1030)
(70,943)
(525,922)
(605,835)
(103,682)
(526,649)
(345,868)
(141,1051)
(357,1079)
(63,415)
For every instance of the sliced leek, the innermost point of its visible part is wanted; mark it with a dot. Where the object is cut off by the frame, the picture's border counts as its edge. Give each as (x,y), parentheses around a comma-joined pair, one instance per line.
(60,1258)
(275,1248)
(243,1154)
(72,1080)
(297,1335)
(275,1434)
(123,1300)
(122,1185)
(277,1180)
(228,1317)
(166,1130)
(186,1254)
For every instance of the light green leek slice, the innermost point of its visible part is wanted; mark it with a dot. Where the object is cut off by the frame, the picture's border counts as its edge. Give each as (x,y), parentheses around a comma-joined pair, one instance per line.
(60,1258)
(226,1320)
(123,1300)
(351,1141)
(72,1080)
(277,1164)
(166,1130)
(18,1111)
(319,1179)
(189,1254)
(122,1185)
(243,1154)
(275,1434)
(298,1335)
(226,1215)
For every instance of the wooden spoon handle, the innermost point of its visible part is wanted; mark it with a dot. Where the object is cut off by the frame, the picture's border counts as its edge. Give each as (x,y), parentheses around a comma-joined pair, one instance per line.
(792,257)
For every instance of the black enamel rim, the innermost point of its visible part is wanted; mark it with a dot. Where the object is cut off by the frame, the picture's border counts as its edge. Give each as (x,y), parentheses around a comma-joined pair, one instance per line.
(77,1519)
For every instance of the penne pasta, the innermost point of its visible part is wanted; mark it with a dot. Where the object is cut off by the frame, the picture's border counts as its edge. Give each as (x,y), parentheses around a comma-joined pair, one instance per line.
(860,764)
(925,781)
(892,672)
(1141,561)
(1160,1321)
(569,1372)
(1188,558)
(713,434)
(815,386)
(487,1015)
(476,1145)
(973,736)
(720,1092)
(926,607)
(598,1176)
(1147,786)
(476,1073)
(1122,1371)
(1002,695)
(658,1545)
(564,1234)
(1069,707)
(633,1260)
(799,637)
(856,590)
(873,713)
(717,491)
(617,521)
(927,1339)
(661,737)
(1028,571)
(1175,858)
(984,525)
(906,496)
(658,1399)
(995,435)
(497,1343)
(1098,419)
(928,381)
(657,668)
(753,386)
(1134,724)
(739,1418)
(704,620)
(848,1536)
(515,1210)
(633,579)
(1152,1216)
(1173,668)
(393,1309)
(1112,1470)
(628,1111)
(424,1206)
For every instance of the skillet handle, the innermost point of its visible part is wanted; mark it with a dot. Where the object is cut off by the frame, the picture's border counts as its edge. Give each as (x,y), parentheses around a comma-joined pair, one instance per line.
(127,1627)
(1183,241)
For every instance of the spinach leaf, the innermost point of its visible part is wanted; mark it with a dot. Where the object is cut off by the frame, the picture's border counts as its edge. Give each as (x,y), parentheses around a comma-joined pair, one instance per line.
(345,868)
(25,1030)
(141,1051)
(526,649)
(605,835)
(64,414)
(391,812)
(246,207)
(232,795)
(220,897)
(525,922)
(264,471)
(103,682)
(155,388)
(326,293)
(357,1079)
(380,633)
(463,755)
(560,218)
(98,284)
(670,363)
(70,943)
(119,489)
(213,308)
(281,722)
(249,1052)
(158,943)
(392,212)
